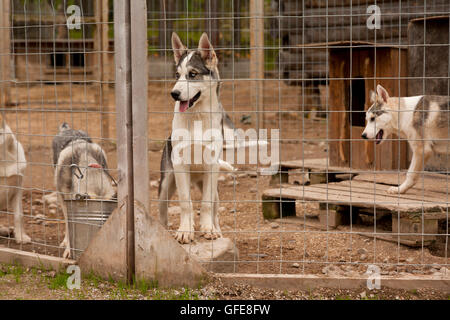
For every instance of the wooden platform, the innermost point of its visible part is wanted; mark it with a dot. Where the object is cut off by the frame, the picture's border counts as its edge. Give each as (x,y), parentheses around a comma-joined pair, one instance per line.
(315,170)
(415,215)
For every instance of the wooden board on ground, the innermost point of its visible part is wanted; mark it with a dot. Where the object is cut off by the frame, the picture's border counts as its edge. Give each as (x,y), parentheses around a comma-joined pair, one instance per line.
(415,215)
(427,182)
(365,195)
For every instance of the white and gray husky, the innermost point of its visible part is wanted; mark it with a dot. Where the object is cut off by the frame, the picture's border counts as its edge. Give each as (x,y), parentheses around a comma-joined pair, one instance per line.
(423,120)
(197,105)
(12,168)
(81,170)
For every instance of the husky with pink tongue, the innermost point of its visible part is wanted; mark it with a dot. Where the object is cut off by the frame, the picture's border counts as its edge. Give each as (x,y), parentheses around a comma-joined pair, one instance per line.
(199,119)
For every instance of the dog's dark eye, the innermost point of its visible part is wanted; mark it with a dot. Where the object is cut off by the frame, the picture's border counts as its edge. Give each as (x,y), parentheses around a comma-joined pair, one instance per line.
(192,74)
(372,119)
(177,75)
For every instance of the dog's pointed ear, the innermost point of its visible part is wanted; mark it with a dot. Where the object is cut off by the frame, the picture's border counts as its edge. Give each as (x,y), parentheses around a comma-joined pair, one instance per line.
(178,47)
(382,93)
(207,51)
(373,96)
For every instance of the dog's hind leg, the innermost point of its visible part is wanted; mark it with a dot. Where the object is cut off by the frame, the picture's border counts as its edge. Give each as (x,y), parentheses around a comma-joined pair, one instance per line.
(16,202)
(167,188)
(419,158)
(66,242)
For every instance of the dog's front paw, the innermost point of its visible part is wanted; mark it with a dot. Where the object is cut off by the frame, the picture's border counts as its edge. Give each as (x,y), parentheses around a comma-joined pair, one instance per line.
(210,232)
(22,238)
(393,190)
(183,236)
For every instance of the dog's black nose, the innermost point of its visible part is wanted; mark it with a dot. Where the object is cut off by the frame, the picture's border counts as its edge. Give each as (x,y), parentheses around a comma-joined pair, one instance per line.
(364,136)
(175,95)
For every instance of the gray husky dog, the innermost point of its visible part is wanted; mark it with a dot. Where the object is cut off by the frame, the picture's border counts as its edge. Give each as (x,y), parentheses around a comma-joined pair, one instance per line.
(196,95)
(81,169)
(423,120)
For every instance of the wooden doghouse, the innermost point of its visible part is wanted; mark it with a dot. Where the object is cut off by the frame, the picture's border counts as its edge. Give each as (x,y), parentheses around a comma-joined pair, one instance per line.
(355,68)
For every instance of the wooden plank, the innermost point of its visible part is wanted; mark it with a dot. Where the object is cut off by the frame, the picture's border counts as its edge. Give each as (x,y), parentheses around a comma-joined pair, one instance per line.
(31,259)
(336,193)
(300,222)
(426,182)
(376,194)
(307,282)
(371,187)
(355,190)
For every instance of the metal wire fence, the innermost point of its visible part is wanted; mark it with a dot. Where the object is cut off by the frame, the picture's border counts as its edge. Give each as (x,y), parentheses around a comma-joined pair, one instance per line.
(56,67)
(299,190)
(327,209)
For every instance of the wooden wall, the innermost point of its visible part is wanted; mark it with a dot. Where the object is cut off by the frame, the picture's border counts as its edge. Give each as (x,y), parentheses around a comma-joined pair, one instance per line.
(316,21)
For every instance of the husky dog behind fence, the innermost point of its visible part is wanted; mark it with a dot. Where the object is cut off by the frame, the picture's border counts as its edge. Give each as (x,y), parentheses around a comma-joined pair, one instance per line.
(12,167)
(423,120)
(196,95)
(81,171)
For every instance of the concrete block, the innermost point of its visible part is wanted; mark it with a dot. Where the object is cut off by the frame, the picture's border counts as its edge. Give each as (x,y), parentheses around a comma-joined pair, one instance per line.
(410,228)
(332,218)
(160,257)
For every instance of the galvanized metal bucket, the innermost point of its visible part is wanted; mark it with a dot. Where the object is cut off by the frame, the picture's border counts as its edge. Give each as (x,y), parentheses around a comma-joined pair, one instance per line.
(85,218)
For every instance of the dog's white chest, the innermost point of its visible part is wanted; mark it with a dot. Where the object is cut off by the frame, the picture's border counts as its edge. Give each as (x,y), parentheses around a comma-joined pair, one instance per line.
(198,137)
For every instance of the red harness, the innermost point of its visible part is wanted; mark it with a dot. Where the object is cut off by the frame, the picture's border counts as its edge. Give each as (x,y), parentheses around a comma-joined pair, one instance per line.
(95,165)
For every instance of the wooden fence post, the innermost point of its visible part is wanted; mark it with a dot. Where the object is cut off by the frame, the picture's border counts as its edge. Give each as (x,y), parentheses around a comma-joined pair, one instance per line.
(5,52)
(257,58)
(125,192)
(101,46)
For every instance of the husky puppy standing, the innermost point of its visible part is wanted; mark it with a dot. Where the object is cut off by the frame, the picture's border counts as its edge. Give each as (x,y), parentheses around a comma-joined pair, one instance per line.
(196,95)
(81,167)
(12,167)
(423,120)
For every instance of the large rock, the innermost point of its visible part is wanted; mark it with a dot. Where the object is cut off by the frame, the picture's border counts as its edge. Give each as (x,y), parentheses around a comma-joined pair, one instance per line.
(219,255)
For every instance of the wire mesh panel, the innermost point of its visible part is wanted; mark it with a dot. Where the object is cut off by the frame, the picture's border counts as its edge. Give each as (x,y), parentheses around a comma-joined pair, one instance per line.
(56,78)
(287,137)
(326,111)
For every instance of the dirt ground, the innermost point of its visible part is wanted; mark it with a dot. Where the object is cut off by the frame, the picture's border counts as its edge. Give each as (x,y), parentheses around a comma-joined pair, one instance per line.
(264,246)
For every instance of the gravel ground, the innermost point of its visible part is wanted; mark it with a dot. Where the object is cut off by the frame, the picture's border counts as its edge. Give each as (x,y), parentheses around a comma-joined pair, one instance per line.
(17,283)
